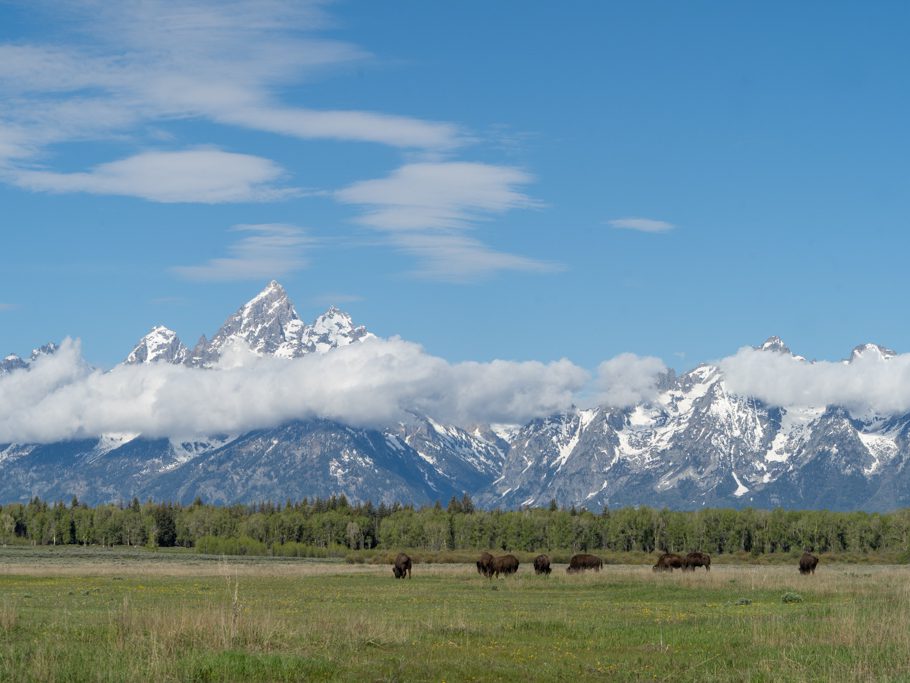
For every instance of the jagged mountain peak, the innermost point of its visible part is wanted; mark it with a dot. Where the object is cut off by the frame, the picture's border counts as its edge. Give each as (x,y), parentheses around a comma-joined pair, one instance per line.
(266,323)
(269,324)
(15,362)
(272,292)
(332,329)
(864,350)
(161,345)
(775,344)
(12,362)
(45,350)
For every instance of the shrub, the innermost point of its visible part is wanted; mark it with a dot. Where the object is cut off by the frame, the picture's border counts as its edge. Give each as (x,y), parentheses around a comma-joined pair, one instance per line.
(242,545)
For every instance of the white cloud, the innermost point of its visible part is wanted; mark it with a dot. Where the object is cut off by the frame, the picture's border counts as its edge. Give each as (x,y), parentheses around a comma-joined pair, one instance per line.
(118,67)
(868,383)
(197,175)
(628,379)
(272,250)
(438,195)
(375,383)
(426,208)
(641,224)
(360,126)
(459,258)
(7,307)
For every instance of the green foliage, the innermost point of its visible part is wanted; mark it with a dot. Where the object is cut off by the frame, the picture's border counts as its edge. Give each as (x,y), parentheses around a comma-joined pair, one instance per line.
(335,527)
(790,597)
(244,545)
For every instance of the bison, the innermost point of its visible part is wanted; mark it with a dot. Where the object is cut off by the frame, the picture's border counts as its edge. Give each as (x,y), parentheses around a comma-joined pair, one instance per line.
(697,559)
(402,566)
(505,565)
(542,565)
(807,563)
(485,564)
(583,561)
(668,562)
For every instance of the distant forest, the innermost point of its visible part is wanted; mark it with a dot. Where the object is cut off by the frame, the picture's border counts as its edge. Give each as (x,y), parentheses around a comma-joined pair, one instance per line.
(330,527)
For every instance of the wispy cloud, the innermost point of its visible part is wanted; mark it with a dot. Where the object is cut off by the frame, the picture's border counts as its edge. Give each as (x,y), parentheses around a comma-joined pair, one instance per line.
(199,175)
(117,67)
(426,208)
(8,307)
(641,224)
(335,298)
(459,258)
(272,250)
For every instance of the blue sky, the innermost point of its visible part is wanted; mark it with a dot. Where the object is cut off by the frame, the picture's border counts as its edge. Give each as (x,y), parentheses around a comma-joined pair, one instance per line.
(490,180)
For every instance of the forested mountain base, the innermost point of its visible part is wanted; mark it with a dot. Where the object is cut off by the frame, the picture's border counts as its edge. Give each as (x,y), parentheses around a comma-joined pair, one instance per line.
(321,528)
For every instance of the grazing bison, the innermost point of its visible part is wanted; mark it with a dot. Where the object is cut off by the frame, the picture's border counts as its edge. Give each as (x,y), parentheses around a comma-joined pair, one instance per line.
(485,564)
(807,563)
(402,566)
(697,559)
(583,561)
(668,562)
(505,565)
(542,564)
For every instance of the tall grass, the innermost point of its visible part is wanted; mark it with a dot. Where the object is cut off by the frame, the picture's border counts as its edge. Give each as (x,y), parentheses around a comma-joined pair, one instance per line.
(258,619)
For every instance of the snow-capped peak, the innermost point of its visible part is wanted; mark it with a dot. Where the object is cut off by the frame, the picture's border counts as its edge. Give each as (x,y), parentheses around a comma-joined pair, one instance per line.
(332,329)
(10,363)
(775,344)
(269,325)
(265,323)
(865,350)
(161,345)
(46,350)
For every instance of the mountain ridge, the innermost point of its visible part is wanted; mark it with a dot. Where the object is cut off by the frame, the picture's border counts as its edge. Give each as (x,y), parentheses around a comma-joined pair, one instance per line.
(695,443)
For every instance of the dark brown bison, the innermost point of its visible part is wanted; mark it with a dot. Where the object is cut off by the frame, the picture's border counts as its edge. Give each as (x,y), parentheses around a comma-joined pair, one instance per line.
(668,562)
(485,564)
(542,564)
(697,559)
(807,563)
(402,566)
(505,565)
(583,561)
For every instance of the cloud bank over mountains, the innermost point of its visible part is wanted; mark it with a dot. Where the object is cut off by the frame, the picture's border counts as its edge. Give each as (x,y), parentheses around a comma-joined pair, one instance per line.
(373,383)
(871,381)
(380,382)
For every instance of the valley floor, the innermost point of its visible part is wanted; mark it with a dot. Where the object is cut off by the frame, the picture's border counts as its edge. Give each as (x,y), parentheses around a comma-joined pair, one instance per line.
(96,615)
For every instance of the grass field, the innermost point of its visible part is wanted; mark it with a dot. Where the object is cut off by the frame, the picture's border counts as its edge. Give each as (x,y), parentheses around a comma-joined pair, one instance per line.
(69,615)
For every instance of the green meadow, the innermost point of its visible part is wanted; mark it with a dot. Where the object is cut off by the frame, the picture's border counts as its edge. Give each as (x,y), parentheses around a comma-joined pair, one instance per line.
(110,615)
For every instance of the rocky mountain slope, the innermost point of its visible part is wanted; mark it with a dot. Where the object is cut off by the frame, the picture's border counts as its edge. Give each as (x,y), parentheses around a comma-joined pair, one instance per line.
(696,444)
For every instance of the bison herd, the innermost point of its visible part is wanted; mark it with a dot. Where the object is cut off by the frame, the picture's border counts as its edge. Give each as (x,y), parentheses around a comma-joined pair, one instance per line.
(490,566)
(670,561)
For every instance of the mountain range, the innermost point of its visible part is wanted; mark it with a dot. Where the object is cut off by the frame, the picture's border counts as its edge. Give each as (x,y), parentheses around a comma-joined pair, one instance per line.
(696,444)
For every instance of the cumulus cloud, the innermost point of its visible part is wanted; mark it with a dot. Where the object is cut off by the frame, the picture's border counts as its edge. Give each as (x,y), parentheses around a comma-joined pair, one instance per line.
(270,251)
(641,224)
(867,383)
(628,379)
(425,209)
(374,383)
(197,175)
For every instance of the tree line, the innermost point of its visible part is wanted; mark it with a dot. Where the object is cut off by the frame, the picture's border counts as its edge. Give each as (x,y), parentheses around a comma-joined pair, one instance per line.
(322,527)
